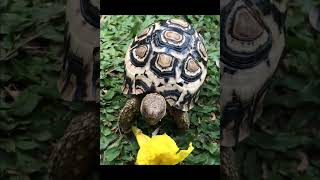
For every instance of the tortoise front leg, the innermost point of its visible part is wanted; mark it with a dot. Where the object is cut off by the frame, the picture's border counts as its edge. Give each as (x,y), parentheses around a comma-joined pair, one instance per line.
(181,118)
(128,113)
(228,168)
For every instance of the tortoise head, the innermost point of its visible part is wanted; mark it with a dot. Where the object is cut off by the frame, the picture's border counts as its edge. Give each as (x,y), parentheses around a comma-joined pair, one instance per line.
(153,108)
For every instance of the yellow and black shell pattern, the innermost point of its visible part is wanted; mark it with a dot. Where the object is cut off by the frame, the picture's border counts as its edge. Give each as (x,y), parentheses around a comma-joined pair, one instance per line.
(170,58)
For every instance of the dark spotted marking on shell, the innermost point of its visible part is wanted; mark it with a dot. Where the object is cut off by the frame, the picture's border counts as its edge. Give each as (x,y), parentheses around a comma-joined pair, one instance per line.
(173,36)
(142,86)
(180,84)
(171,94)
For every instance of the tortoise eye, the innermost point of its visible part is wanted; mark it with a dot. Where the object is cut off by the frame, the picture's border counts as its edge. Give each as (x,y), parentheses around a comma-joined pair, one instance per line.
(245,26)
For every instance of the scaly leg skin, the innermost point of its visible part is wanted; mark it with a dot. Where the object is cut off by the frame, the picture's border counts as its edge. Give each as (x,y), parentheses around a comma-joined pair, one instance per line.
(181,118)
(128,113)
(228,166)
(73,157)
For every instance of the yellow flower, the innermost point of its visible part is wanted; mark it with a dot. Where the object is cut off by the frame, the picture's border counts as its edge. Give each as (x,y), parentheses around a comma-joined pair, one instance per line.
(159,149)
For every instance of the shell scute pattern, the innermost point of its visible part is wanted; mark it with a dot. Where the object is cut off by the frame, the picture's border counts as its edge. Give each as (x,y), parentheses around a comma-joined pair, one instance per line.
(170,58)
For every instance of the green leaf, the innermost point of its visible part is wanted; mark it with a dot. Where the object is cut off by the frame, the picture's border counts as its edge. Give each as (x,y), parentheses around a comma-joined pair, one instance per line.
(281,142)
(4,3)
(7,160)
(109,95)
(213,148)
(135,29)
(8,145)
(11,21)
(106,140)
(212,161)
(203,109)
(26,144)
(4,126)
(25,103)
(198,159)
(251,167)
(47,91)
(276,177)
(46,13)
(106,131)
(28,164)
(52,34)
(111,153)
(4,77)
(42,136)
(300,118)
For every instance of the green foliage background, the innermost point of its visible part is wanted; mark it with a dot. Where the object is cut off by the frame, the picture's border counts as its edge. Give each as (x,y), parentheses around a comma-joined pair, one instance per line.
(31,115)
(117,32)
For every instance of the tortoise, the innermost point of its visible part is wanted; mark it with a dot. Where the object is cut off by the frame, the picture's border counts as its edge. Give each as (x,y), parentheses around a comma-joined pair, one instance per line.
(73,155)
(252,43)
(165,66)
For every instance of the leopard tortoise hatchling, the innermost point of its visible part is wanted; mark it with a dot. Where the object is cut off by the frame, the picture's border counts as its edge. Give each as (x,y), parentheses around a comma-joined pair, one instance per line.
(165,67)
(252,44)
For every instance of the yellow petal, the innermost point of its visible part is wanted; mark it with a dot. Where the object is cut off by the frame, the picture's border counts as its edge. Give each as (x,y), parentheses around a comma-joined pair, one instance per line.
(141,138)
(145,156)
(185,153)
(164,143)
(158,150)
(173,158)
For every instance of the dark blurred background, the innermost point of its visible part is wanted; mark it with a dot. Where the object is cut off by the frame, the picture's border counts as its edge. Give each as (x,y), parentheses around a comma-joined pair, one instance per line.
(285,141)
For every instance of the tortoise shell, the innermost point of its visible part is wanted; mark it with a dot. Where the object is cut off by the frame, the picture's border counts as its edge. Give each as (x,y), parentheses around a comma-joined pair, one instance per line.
(252,43)
(79,76)
(170,58)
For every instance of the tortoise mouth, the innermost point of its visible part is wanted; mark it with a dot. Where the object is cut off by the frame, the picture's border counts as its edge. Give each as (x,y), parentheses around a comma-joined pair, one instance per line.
(152,122)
